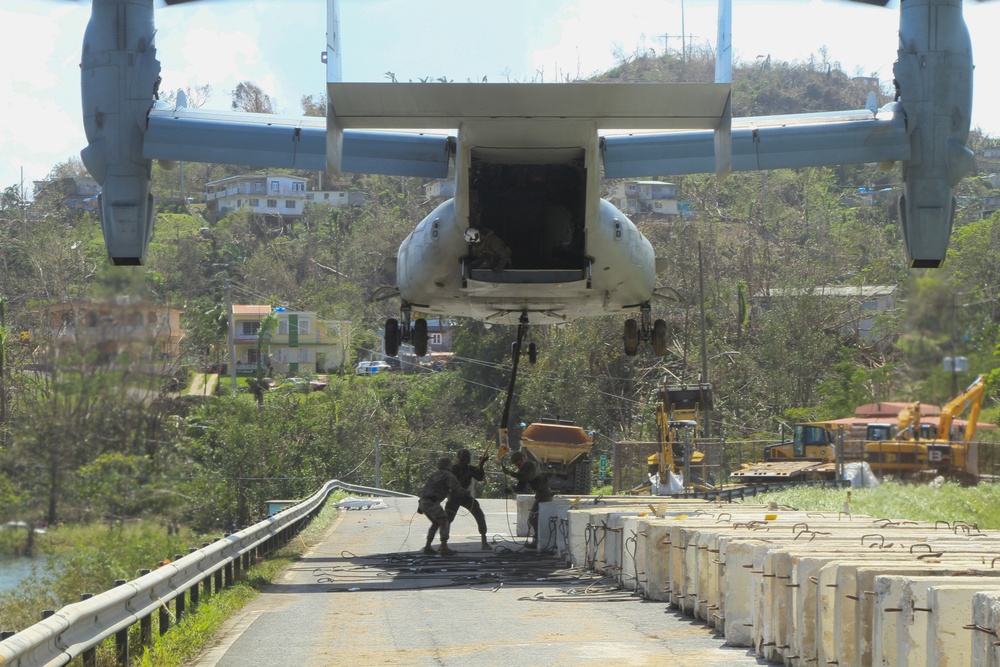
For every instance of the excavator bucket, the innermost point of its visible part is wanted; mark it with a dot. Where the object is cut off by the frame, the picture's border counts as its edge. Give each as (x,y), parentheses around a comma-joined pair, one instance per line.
(688,398)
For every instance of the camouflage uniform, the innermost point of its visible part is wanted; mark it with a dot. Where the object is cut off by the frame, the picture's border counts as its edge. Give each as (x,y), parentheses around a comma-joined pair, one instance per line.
(465,474)
(492,252)
(440,485)
(531,476)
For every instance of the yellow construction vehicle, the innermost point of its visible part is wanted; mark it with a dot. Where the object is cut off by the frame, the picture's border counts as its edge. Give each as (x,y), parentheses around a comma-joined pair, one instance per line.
(918,450)
(678,413)
(562,449)
(810,455)
(810,441)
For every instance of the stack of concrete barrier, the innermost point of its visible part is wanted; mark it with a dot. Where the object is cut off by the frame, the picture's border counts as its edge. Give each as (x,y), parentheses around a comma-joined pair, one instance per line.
(799,588)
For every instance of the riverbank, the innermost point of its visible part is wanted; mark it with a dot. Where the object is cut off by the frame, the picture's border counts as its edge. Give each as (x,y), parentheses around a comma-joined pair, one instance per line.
(78,559)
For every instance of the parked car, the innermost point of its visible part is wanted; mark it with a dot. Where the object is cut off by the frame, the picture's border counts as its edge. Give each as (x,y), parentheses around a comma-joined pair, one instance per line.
(372,367)
(304,384)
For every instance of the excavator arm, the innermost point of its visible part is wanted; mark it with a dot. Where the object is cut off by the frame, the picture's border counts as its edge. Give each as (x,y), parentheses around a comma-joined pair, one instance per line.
(971,397)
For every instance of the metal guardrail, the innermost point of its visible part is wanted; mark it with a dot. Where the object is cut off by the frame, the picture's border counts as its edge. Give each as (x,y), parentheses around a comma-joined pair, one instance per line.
(78,628)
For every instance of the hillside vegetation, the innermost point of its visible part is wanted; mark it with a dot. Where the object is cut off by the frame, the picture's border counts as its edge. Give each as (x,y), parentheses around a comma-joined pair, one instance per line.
(79,442)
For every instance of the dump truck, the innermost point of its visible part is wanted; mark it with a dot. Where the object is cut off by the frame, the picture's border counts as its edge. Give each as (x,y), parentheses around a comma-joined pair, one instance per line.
(562,449)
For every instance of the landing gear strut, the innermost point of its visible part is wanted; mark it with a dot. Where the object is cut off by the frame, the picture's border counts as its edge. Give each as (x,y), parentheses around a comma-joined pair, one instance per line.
(647,330)
(415,333)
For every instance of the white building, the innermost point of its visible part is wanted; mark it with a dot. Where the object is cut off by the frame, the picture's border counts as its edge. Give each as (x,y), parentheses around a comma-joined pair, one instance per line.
(645,197)
(273,194)
(855,307)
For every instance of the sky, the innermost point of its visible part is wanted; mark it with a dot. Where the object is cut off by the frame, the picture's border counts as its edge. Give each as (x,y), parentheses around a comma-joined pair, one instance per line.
(278,46)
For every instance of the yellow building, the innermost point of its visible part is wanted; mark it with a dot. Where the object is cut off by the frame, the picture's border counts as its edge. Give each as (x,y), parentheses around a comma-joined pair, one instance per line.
(301,344)
(126,329)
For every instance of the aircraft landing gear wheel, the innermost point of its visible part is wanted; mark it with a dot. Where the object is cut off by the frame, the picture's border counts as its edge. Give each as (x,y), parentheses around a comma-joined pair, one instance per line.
(659,338)
(631,337)
(532,353)
(420,337)
(391,337)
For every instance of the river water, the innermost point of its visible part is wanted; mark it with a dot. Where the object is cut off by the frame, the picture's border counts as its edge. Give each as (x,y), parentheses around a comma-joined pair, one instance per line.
(15,570)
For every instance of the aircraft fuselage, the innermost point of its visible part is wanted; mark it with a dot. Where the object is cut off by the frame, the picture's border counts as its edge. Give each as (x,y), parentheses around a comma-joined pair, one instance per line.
(536,186)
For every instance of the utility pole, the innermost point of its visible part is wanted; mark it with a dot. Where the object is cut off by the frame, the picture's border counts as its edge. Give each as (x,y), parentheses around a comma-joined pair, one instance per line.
(954,344)
(704,347)
(683,43)
(230,333)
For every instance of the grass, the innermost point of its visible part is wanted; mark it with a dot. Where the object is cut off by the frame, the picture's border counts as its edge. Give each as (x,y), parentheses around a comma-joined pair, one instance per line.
(953,503)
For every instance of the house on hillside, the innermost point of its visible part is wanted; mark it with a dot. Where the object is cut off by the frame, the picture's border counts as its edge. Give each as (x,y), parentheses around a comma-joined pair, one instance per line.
(300,344)
(245,327)
(439,346)
(273,194)
(988,206)
(305,344)
(77,193)
(645,197)
(125,331)
(856,306)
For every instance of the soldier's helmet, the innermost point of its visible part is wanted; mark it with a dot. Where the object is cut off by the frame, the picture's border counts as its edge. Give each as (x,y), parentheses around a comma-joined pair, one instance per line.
(464,455)
(444,463)
(517,457)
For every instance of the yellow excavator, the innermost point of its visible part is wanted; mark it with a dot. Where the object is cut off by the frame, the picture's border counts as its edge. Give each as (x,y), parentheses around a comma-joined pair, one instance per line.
(678,413)
(917,450)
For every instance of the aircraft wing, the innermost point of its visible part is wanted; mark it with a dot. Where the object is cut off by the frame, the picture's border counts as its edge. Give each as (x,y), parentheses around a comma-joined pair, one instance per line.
(765,142)
(266,140)
(518,115)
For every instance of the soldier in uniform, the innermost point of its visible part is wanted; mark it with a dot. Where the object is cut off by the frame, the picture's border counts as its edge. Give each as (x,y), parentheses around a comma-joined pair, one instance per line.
(489,249)
(440,485)
(465,472)
(529,475)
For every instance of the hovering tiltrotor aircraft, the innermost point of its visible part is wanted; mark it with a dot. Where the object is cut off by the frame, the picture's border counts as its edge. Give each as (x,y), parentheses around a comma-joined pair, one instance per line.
(527,161)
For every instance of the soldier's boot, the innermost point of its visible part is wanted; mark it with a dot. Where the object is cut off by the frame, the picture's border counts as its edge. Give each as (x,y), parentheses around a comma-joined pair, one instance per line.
(429,550)
(445,551)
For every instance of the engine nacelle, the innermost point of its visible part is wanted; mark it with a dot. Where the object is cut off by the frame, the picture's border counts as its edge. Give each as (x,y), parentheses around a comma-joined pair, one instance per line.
(119,79)
(933,75)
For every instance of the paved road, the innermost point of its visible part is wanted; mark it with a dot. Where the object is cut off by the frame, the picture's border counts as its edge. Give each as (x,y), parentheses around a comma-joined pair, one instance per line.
(365,595)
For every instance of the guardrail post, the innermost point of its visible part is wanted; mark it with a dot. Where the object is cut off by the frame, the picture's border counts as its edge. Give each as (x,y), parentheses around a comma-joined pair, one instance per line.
(207,582)
(194,589)
(237,563)
(89,655)
(246,560)
(229,574)
(121,638)
(179,604)
(218,580)
(164,619)
(145,623)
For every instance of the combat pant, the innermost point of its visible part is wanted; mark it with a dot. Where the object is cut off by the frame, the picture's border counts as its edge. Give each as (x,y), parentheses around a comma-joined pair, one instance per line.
(431,508)
(471,504)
